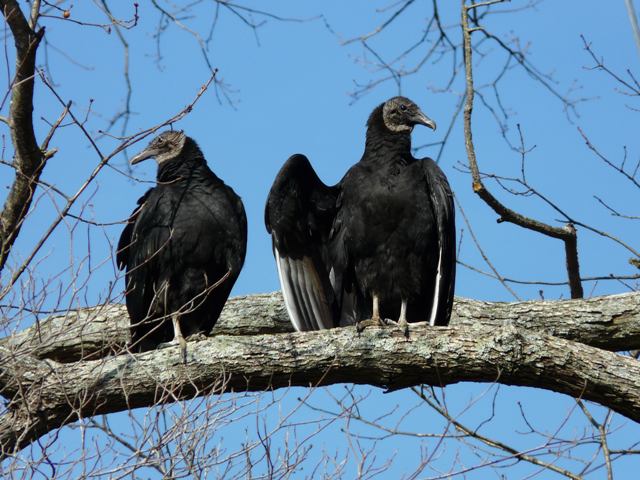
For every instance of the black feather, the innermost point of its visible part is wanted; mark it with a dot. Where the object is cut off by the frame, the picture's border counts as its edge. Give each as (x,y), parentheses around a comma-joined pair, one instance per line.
(187,233)
(387,228)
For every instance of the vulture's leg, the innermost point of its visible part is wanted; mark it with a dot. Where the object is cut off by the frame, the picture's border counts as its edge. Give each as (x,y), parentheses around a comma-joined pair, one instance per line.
(376,308)
(177,336)
(375,320)
(402,321)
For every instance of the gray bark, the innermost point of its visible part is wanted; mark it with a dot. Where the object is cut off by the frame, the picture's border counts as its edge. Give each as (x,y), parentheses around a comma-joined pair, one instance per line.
(509,343)
(610,322)
(28,159)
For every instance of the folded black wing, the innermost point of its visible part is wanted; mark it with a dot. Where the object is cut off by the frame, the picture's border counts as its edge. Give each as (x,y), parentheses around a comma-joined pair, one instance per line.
(299,214)
(123,251)
(143,250)
(444,214)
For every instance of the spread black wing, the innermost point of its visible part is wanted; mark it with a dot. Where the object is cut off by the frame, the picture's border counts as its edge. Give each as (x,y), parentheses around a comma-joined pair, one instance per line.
(444,214)
(299,215)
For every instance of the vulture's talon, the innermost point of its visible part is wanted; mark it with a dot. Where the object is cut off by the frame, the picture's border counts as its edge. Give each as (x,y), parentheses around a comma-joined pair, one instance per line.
(197,337)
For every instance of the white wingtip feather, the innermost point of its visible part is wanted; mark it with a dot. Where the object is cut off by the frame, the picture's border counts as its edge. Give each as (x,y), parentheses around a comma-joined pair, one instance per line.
(436,296)
(287,294)
(304,298)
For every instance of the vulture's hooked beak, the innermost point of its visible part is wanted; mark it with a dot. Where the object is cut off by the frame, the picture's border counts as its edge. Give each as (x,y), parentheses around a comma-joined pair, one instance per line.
(422,119)
(143,155)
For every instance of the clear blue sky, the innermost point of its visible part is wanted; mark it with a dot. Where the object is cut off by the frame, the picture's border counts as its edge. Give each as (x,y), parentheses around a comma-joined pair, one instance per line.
(291,84)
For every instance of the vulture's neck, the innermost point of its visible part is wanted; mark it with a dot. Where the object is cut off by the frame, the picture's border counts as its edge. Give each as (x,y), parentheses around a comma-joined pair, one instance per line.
(183,166)
(384,145)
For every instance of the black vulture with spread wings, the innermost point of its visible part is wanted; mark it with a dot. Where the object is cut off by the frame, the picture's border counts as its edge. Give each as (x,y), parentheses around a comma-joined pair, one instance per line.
(378,245)
(183,247)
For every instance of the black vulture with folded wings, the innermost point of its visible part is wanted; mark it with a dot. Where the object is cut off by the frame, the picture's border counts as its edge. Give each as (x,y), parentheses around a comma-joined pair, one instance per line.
(378,245)
(183,247)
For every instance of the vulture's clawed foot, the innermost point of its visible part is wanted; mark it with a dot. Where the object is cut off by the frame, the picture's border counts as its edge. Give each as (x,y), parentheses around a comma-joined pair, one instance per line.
(403,325)
(197,337)
(176,341)
(170,344)
(373,322)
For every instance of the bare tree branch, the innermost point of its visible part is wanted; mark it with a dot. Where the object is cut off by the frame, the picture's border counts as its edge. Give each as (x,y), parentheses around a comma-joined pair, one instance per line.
(568,233)
(28,158)
(45,394)
(490,442)
(610,322)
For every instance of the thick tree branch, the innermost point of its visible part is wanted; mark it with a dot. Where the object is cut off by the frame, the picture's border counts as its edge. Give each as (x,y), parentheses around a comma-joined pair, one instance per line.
(46,395)
(28,158)
(610,322)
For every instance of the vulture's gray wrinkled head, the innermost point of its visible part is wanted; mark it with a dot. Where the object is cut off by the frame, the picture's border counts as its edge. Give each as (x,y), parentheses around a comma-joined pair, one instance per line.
(164,147)
(400,115)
